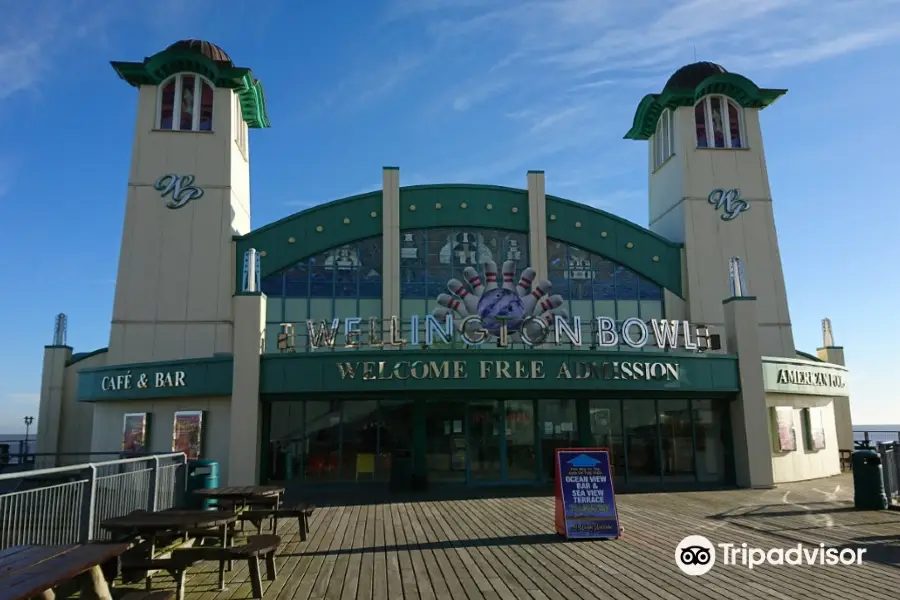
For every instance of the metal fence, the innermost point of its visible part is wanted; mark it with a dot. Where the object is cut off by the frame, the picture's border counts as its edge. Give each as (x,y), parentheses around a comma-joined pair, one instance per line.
(867,439)
(67,504)
(890,464)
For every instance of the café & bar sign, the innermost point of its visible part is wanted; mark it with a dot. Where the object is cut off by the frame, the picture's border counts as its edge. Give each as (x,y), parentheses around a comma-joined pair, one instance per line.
(142,381)
(188,377)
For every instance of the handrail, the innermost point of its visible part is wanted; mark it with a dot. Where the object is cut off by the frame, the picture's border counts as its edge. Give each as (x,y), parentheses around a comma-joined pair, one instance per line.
(82,467)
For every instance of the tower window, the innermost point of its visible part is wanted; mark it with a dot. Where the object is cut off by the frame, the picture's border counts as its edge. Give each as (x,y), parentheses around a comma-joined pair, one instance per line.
(718,123)
(185,104)
(664,138)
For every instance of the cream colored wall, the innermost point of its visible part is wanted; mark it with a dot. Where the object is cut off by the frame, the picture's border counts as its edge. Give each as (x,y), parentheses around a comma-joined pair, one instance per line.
(78,417)
(176,267)
(803,464)
(109,420)
(680,211)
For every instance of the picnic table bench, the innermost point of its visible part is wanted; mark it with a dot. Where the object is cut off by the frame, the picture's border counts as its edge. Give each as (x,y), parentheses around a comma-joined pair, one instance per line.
(30,571)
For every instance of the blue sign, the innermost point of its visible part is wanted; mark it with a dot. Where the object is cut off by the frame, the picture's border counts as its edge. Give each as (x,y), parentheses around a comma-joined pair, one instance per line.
(585,494)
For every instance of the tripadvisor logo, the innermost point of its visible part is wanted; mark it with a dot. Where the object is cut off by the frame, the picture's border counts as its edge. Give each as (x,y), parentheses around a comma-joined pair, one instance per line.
(696,555)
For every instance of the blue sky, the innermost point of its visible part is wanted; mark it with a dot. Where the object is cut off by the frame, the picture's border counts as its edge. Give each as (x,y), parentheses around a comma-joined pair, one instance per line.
(454,91)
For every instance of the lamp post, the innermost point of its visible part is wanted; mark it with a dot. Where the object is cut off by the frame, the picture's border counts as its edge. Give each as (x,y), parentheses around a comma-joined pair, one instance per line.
(28,421)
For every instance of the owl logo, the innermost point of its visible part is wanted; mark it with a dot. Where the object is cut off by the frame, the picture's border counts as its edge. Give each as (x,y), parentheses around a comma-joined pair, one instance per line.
(522,306)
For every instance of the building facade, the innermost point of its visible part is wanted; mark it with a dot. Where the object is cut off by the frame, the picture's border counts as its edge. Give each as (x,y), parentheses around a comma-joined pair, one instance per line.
(468,329)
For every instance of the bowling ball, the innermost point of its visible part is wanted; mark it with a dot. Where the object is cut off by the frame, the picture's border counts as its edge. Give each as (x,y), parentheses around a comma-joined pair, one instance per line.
(502,303)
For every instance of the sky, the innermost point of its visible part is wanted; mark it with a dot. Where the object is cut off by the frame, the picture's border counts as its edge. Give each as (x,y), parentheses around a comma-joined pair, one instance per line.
(454,91)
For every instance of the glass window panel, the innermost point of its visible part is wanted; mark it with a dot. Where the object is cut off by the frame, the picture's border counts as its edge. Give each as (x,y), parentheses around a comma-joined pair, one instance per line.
(370,260)
(558,428)
(437,281)
(296,310)
(557,255)
(396,432)
(648,290)
(273,285)
(274,309)
(606,431)
(718,123)
(709,417)
(167,105)
(700,124)
(515,247)
(296,281)
(186,110)
(361,430)
(641,441)
(206,107)
(677,440)
(319,441)
(285,429)
(521,460)
(603,282)
(734,124)
(627,284)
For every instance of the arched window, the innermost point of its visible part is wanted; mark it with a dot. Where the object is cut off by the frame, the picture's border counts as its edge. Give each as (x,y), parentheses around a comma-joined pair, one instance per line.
(593,286)
(185,103)
(664,138)
(340,283)
(719,123)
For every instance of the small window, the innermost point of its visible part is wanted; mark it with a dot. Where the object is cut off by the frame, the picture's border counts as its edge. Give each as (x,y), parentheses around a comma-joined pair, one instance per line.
(664,139)
(718,123)
(186,104)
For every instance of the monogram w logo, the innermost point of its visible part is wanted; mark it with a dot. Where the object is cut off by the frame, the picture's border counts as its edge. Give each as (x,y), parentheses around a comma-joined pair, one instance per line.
(179,188)
(730,202)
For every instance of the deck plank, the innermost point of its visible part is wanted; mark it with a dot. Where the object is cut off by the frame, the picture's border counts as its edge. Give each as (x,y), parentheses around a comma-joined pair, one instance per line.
(483,547)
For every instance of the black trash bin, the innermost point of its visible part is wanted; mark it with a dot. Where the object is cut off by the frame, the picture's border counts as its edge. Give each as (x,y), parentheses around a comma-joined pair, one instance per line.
(201,475)
(868,481)
(401,471)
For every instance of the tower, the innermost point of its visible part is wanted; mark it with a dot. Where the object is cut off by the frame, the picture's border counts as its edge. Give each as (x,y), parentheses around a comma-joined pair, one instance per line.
(709,189)
(188,194)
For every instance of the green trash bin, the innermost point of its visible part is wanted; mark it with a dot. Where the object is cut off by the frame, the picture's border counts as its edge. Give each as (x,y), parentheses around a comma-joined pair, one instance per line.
(868,481)
(201,475)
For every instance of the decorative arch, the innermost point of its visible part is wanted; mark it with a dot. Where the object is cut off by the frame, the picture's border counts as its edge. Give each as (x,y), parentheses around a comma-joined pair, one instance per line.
(737,87)
(348,220)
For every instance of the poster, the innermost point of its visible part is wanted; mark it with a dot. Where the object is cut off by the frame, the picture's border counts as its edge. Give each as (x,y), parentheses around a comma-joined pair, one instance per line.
(187,433)
(815,427)
(585,500)
(783,421)
(134,433)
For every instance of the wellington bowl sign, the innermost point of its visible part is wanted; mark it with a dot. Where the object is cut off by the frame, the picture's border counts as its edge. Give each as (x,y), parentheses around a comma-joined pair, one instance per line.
(507,311)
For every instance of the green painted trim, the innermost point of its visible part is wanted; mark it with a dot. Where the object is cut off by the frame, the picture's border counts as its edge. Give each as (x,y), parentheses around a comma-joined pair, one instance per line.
(563,217)
(391,168)
(57,346)
(208,376)
(275,239)
(536,172)
(318,373)
(159,67)
(809,356)
(85,355)
(463,205)
(739,299)
(737,87)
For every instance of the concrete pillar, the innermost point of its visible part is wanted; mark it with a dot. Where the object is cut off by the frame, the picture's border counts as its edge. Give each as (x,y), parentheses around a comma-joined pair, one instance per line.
(843,419)
(537,222)
(390,220)
(832,354)
(749,414)
(246,424)
(49,417)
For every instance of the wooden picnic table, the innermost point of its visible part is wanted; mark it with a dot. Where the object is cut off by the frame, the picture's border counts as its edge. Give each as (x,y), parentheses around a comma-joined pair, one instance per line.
(244,494)
(29,571)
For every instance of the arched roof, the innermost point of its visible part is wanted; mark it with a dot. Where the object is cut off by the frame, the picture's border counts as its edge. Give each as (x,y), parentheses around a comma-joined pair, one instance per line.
(343,221)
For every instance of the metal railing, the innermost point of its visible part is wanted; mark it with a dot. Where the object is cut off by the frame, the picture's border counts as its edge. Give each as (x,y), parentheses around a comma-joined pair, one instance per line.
(864,439)
(890,464)
(66,505)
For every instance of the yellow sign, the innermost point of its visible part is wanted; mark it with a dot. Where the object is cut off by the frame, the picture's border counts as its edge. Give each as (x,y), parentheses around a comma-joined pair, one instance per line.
(507,369)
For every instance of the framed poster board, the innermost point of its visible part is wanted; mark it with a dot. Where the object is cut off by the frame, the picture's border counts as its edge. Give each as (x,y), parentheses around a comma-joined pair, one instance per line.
(187,433)
(783,426)
(814,425)
(135,433)
(585,499)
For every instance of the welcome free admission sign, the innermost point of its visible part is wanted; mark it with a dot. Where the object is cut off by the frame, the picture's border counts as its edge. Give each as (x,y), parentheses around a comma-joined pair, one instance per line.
(585,500)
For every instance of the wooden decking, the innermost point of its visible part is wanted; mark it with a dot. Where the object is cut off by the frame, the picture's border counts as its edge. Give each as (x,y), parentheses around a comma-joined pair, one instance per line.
(505,548)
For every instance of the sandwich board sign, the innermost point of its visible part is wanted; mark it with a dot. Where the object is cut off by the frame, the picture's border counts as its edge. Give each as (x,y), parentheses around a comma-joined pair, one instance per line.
(585,500)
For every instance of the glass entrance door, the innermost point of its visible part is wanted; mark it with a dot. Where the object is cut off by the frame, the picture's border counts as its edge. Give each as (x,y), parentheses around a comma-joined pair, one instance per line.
(447,448)
(485,440)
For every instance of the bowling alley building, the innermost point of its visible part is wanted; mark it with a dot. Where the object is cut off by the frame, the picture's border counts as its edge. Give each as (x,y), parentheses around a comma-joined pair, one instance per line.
(450,334)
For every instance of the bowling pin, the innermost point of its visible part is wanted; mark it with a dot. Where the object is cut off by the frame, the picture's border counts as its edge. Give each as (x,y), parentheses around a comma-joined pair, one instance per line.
(441,313)
(547,304)
(540,290)
(453,304)
(534,330)
(474,280)
(490,276)
(509,272)
(524,285)
(456,287)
